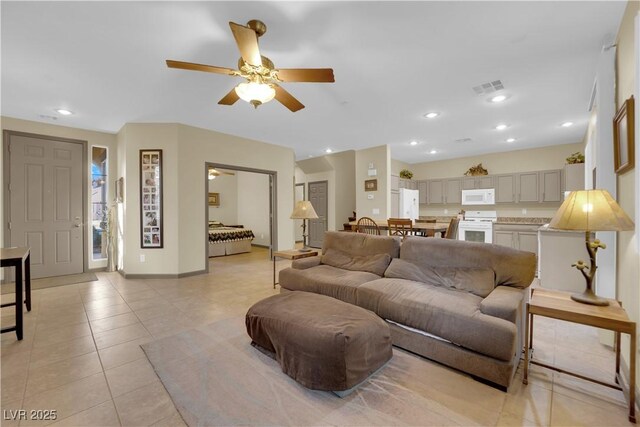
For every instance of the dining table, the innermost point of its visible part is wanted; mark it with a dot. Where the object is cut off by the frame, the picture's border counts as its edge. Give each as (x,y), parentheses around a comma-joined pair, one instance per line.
(429,228)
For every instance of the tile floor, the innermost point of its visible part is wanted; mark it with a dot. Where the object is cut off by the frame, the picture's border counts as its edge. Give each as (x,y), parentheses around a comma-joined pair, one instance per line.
(81,355)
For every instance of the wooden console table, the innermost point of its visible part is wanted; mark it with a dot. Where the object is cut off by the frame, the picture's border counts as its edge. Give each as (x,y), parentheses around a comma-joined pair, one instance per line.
(289,254)
(19,258)
(559,305)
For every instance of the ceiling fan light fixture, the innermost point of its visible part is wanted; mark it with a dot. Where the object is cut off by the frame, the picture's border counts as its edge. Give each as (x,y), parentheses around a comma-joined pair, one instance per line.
(255,93)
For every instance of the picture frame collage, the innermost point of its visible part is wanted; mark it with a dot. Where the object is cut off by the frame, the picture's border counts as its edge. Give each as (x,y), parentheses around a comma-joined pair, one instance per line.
(151,217)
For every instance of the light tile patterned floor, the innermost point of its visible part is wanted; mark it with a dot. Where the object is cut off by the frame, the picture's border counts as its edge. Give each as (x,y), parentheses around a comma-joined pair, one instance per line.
(81,353)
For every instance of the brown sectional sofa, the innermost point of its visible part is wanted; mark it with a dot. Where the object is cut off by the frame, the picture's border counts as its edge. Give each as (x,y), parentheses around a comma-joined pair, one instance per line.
(455,302)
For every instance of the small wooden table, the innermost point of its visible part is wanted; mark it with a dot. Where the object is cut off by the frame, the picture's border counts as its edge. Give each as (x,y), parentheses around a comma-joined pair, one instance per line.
(559,305)
(290,254)
(18,258)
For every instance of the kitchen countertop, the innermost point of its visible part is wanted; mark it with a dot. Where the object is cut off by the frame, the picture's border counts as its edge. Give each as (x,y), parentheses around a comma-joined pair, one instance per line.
(514,220)
(522,220)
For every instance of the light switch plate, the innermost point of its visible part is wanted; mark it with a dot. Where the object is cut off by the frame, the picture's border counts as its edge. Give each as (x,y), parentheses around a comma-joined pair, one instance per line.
(372,172)
(524,211)
(376,211)
(142,258)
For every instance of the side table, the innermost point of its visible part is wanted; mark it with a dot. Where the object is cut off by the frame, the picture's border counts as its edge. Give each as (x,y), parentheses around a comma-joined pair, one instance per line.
(19,258)
(291,254)
(559,305)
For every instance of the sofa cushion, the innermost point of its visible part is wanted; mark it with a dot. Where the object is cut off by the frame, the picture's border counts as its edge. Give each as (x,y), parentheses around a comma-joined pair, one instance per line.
(326,280)
(512,267)
(447,313)
(479,281)
(375,263)
(360,244)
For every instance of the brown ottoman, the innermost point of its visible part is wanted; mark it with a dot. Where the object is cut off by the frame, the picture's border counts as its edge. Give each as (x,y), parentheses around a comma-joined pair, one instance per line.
(321,342)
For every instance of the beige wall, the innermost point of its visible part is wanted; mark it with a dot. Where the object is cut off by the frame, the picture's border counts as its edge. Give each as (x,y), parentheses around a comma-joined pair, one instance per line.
(551,157)
(628,256)
(185,151)
(398,165)
(227,188)
(338,170)
(198,146)
(98,139)
(381,160)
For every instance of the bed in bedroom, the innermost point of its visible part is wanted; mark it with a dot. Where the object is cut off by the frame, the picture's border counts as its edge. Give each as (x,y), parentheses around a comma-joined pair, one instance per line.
(228,240)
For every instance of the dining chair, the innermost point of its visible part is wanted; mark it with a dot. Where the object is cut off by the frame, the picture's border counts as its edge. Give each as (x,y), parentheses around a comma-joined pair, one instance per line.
(400,227)
(452,230)
(425,233)
(368,226)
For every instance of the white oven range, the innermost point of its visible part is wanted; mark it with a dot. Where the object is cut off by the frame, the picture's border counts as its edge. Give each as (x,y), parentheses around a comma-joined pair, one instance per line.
(477,226)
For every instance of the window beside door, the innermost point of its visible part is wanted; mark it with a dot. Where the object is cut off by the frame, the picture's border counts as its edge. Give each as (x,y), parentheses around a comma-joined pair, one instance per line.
(99,207)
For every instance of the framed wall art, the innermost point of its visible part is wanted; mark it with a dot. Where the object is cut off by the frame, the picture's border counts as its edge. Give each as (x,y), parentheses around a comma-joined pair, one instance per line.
(214,199)
(624,137)
(371,185)
(151,199)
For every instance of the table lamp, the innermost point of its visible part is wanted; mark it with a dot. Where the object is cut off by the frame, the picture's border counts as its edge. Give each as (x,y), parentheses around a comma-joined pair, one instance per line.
(304,210)
(590,210)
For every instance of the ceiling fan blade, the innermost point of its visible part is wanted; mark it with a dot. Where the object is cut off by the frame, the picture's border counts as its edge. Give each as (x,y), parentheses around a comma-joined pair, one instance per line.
(198,67)
(317,75)
(230,98)
(247,41)
(287,99)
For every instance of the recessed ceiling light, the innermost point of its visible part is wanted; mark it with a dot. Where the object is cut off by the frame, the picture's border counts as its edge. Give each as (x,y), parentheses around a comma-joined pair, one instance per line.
(413,143)
(566,124)
(511,140)
(499,98)
(431,115)
(64,112)
(328,150)
(501,126)
(432,152)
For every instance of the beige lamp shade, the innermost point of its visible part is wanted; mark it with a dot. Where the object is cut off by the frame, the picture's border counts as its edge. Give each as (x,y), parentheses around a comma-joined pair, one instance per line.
(591,210)
(304,210)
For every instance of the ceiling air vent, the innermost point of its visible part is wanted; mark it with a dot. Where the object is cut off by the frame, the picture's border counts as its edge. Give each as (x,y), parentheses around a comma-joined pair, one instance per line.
(461,140)
(489,87)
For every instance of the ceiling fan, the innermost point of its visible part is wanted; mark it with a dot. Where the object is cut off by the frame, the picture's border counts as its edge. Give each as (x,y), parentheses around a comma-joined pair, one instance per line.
(262,77)
(214,173)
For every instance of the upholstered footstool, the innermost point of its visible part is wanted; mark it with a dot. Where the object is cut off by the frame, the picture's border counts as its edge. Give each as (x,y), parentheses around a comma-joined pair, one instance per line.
(321,342)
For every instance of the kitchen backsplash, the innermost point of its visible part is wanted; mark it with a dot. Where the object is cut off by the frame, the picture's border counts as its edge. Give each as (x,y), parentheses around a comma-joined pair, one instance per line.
(524,212)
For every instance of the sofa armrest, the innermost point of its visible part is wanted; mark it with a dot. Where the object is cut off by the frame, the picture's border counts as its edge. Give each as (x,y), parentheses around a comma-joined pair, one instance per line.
(304,263)
(504,302)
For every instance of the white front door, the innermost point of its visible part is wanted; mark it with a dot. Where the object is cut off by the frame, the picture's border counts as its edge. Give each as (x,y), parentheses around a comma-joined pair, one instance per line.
(46,212)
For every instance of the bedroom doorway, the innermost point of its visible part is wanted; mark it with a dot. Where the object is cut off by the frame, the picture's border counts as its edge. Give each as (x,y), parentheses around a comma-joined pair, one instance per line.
(247,199)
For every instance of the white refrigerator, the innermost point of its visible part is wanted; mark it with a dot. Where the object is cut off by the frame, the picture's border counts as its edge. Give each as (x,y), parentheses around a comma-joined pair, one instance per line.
(409,204)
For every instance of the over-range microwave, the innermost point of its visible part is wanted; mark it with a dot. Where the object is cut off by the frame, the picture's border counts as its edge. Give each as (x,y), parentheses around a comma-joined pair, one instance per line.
(485,196)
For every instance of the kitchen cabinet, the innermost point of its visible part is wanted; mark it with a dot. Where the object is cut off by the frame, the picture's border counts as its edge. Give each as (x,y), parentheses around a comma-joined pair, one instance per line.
(423,191)
(478,182)
(551,185)
(573,177)
(511,188)
(505,188)
(408,184)
(453,191)
(395,182)
(517,236)
(435,191)
(395,204)
(528,187)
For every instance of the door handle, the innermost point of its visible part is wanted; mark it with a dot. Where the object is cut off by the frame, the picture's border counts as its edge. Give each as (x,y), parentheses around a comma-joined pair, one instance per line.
(77,225)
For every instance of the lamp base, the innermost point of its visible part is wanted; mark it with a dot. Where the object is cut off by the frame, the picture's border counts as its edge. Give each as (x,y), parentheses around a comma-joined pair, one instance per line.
(588,297)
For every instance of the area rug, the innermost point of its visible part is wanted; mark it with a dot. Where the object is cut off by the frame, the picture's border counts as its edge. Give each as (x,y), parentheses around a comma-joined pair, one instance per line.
(51,282)
(215,377)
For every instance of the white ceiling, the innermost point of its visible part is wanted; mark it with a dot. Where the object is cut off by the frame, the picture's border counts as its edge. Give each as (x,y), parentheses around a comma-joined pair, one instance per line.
(393,62)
